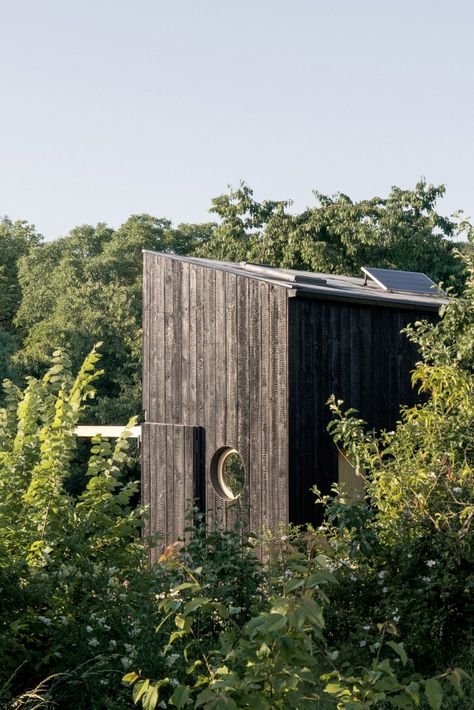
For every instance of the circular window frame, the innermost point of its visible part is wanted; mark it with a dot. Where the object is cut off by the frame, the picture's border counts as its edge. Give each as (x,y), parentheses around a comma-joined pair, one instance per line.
(217,474)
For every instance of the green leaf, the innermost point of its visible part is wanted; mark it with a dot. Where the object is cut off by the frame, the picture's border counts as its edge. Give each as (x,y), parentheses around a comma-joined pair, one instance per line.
(434,693)
(413,690)
(456,676)
(193,667)
(151,698)
(130,677)
(139,689)
(293,584)
(399,650)
(180,697)
(180,621)
(313,612)
(203,697)
(194,604)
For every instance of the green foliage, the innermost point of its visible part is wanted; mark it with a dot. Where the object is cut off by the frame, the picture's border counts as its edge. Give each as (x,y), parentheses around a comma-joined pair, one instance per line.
(406,553)
(401,231)
(279,657)
(16,239)
(64,560)
(87,287)
(374,609)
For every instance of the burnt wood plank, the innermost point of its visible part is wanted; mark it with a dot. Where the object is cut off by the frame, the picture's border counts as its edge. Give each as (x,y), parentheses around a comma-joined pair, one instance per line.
(168,342)
(266,498)
(254,368)
(179,485)
(145,477)
(175,406)
(220,359)
(193,350)
(231,346)
(184,334)
(280,417)
(147,324)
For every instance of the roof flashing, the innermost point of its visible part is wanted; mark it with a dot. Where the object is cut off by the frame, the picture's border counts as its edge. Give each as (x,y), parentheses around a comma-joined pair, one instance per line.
(305,284)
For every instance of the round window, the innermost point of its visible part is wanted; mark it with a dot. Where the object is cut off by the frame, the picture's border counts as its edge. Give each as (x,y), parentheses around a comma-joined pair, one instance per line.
(228,473)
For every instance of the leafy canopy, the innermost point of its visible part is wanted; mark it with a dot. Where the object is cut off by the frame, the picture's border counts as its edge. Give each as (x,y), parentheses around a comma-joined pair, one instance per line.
(402,231)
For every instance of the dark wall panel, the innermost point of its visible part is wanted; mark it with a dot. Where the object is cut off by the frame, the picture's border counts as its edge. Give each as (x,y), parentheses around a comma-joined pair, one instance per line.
(355,352)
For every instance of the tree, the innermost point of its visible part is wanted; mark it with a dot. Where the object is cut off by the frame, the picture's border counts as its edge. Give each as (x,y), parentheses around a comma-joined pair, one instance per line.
(402,231)
(16,240)
(87,287)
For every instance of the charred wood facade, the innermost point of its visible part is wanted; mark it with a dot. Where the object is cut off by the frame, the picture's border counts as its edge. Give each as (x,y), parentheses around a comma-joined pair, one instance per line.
(233,359)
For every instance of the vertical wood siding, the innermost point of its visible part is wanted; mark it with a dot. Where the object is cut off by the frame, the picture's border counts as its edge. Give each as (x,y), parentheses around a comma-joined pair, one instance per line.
(215,356)
(355,352)
(171,474)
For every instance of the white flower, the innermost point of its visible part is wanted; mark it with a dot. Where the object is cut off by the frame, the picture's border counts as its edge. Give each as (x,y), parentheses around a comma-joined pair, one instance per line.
(45,620)
(409,555)
(172,658)
(112,643)
(381,574)
(426,579)
(353,578)
(93,642)
(129,648)
(284,537)
(457,489)
(385,590)
(362,643)
(366,628)
(396,618)
(89,629)
(126,662)
(431,563)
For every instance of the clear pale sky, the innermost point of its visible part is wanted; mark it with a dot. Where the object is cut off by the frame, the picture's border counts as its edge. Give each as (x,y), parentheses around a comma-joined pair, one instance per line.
(114,107)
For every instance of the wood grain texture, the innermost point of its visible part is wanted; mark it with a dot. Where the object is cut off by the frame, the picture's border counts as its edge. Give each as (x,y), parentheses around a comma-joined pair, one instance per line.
(355,352)
(171,474)
(215,357)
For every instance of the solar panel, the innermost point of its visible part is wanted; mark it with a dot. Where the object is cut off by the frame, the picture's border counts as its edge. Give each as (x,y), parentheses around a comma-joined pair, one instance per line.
(410,281)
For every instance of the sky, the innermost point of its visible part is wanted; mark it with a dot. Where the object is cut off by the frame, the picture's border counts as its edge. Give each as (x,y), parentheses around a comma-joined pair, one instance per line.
(116,107)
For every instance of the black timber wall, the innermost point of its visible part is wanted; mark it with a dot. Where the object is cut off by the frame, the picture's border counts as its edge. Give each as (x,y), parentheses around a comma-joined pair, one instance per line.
(351,350)
(215,356)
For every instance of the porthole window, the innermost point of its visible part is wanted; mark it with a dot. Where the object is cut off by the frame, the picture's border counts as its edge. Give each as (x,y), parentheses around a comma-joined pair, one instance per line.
(228,473)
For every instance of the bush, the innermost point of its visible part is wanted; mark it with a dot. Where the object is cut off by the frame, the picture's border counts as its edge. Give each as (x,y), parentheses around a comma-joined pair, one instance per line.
(79,598)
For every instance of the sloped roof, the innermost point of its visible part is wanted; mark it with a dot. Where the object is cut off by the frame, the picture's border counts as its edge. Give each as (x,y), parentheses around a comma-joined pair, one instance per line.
(318,285)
